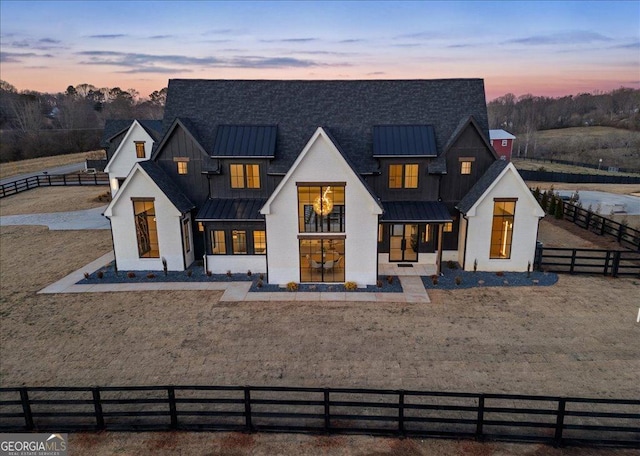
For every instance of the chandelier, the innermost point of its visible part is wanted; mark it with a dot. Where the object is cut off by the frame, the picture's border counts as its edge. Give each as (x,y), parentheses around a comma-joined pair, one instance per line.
(323,205)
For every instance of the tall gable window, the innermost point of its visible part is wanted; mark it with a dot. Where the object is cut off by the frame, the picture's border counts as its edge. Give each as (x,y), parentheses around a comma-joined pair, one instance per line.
(245,175)
(502,229)
(140,149)
(403,176)
(321,208)
(146,230)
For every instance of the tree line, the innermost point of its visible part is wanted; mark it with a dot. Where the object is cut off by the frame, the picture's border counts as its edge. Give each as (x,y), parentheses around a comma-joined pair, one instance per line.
(35,124)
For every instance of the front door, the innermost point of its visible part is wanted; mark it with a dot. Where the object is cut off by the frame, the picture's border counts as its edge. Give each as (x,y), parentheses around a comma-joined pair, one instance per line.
(403,244)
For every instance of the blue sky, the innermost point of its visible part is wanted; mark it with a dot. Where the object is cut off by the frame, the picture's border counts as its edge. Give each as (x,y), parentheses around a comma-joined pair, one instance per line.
(545,48)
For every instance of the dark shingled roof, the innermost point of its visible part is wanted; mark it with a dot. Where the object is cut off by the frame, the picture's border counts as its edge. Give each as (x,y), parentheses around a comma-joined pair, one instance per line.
(168,187)
(112,127)
(404,140)
(153,127)
(481,186)
(415,211)
(349,108)
(245,141)
(217,209)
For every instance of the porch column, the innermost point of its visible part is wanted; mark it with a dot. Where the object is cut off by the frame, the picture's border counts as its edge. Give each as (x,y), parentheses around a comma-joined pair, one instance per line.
(439,256)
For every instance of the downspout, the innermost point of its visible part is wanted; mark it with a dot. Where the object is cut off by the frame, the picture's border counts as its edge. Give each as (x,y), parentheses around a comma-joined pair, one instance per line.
(184,254)
(204,243)
(466,233)
(439,257)
(113,245)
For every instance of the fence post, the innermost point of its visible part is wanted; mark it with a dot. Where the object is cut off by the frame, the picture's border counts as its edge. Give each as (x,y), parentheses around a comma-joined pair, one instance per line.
(64,180)
(573,261)
(480,421)
(616,264)
(327,413)
(587,220)
(606,262)
(247,409)
(604,223)
(26,408)
(401,413)
(95,179)
(15,186)
(97,406)
(621,233)
(560,422)
(49,179)
(171,392)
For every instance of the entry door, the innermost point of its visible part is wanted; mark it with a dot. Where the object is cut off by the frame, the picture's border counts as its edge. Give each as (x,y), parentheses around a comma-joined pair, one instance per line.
(404,243)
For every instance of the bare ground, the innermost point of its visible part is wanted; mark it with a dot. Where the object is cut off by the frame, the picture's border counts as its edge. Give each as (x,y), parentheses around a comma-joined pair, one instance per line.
(576,338)
(55,199)
(36,164)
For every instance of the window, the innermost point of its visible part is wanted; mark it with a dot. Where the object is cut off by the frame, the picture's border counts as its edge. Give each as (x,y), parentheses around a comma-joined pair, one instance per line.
(200,227)
(146,231)
(185,235)
(502,228)
(182,167)
(139,149)
(465,167)
(218,245)
(448,227)
(259,242)
(239,242)
(245,176)
(504,143)
(426,234)
(380,233)
(403,176)
(321,208)
(322,259)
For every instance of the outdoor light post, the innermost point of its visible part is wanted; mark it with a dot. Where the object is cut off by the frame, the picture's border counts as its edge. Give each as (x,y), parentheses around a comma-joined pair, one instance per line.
(599,164)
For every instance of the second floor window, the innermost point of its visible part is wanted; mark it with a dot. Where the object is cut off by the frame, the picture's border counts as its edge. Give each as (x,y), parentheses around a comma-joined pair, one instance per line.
(139,149)
(182,167)
(245,176)
(403,176)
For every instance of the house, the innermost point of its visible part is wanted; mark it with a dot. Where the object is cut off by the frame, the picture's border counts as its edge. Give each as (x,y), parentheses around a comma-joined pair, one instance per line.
(502,142)
(128,142)
(323,181)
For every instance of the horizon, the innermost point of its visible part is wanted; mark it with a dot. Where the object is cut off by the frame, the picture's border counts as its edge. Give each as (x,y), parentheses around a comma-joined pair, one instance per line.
(551,49)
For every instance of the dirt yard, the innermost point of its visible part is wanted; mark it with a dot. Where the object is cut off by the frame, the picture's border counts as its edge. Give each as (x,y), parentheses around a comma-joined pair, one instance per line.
(576,338)
(36,164)
(55,199)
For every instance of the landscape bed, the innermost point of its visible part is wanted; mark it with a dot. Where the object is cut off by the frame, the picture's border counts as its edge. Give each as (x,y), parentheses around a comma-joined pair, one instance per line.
(450,279)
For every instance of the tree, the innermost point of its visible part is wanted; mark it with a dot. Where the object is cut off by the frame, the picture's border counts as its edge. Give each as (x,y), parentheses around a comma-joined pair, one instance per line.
(158,97)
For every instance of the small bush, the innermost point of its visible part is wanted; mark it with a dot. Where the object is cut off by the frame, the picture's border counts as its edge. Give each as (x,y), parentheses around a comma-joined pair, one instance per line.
(228,273)
(259,284)
(500,273)
(100,274)
(209,273)
(452,264)
(458,280)
(389,279)
(151,275)
(261,276)
(249,273)
(165,268)
(350,286)
(475,265)
(379,283)
(189,272)
(434,279)
(292,286)
(86,275)
(131,274)
(313,287)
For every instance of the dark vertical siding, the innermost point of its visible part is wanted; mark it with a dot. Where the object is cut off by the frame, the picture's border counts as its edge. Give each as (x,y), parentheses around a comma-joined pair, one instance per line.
(221,183)
(427,184)
(454,184)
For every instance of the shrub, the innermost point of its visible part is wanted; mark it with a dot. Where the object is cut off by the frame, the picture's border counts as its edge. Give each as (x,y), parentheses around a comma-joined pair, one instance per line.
(544,202)
(434,279)
(553,201)
(261,276)
(209,273)
(500,273)
(86,275)
(100,274)
(189,272)
(475,265)
(350,286)
(389,279)
(292,286)
(164,265)
(259,284)
(529,269)
(458,280)
(228,273)
(379,283)
(452,264)
(151,275)
(559,211)
(249,273)
(131,274)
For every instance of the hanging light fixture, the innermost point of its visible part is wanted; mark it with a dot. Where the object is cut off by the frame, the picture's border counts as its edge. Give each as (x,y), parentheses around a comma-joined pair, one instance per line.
(323,205)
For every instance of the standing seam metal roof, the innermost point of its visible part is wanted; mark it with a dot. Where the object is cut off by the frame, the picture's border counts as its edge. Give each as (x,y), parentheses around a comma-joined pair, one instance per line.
(415,211)
(222,209)
(245,141)
(404,140)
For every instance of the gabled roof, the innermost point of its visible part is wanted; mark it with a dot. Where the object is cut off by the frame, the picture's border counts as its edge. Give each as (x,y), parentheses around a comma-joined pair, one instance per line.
(230,209)
(167,186)
(500,134)
(439,166)
(404,141)
(349,108)
(153,127)
(489,179)
(112,128)
(245,141)
(188,127)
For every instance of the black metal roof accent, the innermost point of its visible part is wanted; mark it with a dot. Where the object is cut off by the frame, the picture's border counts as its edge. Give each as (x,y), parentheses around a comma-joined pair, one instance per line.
(168,187)
(481,186)
(349,108)
(404,140)
(415,212)
(245,141)
(229,209)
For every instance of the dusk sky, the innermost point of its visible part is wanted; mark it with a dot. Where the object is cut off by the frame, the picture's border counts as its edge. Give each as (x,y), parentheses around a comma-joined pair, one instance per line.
(545,48)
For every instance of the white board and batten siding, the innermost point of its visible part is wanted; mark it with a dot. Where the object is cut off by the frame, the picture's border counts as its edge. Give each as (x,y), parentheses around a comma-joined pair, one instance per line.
(168,222)
(320,161)
(221,264)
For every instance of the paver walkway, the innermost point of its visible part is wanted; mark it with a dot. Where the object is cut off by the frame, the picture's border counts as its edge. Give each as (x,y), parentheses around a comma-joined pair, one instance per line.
(414,290)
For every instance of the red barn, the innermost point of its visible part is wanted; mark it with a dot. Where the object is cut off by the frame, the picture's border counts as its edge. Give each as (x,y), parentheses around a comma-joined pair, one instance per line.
(502,142)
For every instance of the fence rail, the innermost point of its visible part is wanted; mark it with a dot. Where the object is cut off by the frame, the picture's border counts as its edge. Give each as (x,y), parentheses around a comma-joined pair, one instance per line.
(614,263)
(549,419)
(573,178)
(598,166)
(49,180)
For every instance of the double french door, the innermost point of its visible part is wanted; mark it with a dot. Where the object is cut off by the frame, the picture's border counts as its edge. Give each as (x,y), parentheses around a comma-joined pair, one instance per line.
(403,244)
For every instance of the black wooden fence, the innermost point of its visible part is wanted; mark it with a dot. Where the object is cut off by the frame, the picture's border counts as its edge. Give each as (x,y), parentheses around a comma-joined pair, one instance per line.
(549,419)
(48,180)
(626,236)
(598,166)
(614,263)
(573,178)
